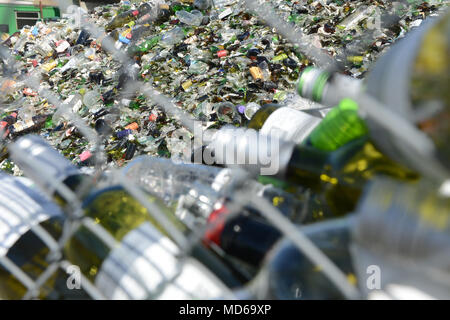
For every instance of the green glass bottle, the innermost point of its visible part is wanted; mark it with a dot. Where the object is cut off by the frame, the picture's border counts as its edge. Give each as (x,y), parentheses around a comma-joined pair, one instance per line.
(335,162)
(346,156)
(340,126)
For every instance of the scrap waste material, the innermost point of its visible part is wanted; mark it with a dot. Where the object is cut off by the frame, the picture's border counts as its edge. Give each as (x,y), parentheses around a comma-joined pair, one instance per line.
(123,86)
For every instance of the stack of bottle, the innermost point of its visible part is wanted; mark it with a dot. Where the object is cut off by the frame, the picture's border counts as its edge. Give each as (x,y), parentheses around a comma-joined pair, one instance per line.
(340,196)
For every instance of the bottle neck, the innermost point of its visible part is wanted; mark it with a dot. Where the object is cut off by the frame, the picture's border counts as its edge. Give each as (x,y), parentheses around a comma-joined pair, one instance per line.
(260,117)
(44,165)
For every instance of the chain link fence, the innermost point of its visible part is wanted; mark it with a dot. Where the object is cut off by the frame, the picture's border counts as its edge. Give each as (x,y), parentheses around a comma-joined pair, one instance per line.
(185,241)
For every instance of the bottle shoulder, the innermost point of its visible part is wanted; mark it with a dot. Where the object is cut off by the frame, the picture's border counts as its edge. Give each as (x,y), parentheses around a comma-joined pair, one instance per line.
(260,116)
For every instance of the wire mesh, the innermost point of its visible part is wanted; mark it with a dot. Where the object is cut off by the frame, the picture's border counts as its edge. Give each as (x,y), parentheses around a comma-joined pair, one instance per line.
(185,242)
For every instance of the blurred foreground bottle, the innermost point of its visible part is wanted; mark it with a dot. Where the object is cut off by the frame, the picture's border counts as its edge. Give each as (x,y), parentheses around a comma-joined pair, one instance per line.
(402,234)
(288,274)
(204,196)
(412,80)
(394,246)
(128,270)
(27,215)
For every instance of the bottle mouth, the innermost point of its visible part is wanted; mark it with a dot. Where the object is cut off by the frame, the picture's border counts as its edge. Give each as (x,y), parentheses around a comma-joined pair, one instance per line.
(251,109)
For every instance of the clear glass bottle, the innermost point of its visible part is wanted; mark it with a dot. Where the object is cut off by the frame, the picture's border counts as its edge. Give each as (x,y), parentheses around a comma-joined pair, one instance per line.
(128,223)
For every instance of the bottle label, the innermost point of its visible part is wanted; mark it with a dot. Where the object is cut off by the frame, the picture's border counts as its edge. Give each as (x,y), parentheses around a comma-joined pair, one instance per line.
(21,207)
(291,124)
(145,265)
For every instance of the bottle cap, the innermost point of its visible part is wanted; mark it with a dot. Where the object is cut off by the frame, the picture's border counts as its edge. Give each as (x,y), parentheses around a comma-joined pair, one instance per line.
(312,83)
